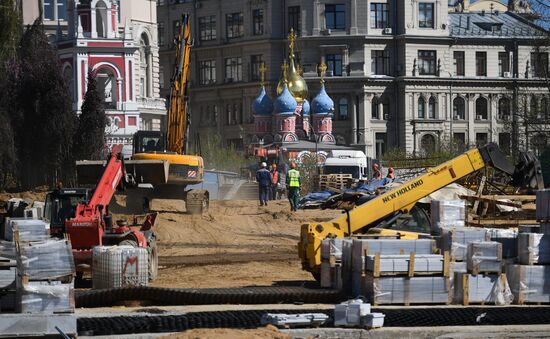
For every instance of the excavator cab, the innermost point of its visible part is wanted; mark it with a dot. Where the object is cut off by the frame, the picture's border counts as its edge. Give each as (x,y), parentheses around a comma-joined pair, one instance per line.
(149,142)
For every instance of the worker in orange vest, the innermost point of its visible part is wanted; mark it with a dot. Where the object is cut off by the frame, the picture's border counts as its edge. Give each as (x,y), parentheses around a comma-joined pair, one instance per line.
(274,181)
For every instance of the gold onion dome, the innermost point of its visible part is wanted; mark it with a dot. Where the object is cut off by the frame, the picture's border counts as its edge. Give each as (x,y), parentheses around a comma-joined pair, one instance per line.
(294,81)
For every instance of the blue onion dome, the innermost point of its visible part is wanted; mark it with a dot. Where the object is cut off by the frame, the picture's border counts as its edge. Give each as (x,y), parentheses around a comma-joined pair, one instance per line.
(262,104)
(322,103)
(305,107)
(285,103)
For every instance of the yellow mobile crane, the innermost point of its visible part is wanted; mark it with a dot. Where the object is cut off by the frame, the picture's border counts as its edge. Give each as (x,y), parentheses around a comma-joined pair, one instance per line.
(183,169)
(401,200)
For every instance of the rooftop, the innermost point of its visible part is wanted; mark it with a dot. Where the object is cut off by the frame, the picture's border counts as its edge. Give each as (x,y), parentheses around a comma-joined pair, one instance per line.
(497,24)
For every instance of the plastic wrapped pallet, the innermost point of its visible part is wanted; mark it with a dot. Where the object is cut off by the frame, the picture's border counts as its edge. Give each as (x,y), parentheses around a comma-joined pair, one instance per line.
(543,205)
(379,265)
(346,264)
(118,266)
(331,247)
(405,290)
(529,283)
(455,240)
(331,275)
(481,289)
(484,256)
(7,249)
(509,240)
(7,277)
(50,259)
(45,297)
(386,247)
(529,228)
(447,213)
(29,229)
(533,248)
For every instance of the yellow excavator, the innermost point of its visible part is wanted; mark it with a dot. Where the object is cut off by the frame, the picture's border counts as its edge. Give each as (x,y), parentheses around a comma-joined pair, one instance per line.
(160,167)
(380,215)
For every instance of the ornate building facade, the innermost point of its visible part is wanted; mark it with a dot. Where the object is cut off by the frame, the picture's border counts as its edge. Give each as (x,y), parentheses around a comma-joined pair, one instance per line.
(118,41)
(412,74)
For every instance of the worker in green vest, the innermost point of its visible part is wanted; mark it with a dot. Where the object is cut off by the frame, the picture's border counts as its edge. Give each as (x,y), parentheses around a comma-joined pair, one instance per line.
(293,186)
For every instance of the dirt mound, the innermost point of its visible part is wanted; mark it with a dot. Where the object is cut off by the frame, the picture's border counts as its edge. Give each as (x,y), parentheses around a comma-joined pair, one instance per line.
(269,332)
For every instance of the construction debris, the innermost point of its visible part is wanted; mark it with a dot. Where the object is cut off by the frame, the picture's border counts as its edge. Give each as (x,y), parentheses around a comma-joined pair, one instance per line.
(282,320)
(356,313)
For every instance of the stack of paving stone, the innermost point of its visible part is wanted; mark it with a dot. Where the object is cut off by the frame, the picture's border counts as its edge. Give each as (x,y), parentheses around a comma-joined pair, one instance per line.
(45,277)
(394,271)
(8,272)
(530,278)
(331,262)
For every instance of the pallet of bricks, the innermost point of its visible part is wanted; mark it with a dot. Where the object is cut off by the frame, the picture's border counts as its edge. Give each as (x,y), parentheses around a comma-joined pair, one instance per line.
(336,181)
(41,295)
(476,255)
(529,279)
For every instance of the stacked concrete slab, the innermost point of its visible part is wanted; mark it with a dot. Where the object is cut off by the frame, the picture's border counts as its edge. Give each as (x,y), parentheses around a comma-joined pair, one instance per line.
(529,279)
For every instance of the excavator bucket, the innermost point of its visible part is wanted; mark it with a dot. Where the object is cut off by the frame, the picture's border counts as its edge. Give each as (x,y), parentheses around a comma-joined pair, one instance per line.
(153,172)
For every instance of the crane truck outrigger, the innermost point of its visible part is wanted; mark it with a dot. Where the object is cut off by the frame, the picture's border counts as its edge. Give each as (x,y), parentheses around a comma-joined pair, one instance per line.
(401,200)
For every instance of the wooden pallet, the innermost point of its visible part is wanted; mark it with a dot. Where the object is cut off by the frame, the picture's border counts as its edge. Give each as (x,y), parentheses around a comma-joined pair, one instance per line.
(338,181)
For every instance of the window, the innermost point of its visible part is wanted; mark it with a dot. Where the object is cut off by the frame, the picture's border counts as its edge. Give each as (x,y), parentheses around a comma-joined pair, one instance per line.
(379,15)
(233,69)
(539,65)
(505,142)
(385,110)
(234,25)
(335,16)
(380,62)
(375,111)
(459,141)
(458,57)
(481,109)
(503,63)
(381,144)
(334,64)
(459,109)
(539,142)
(106,84)
(481,139)
(294,19)
(160,2)
(504,109)
(343,109)
(207,28)
(544,108)
(255,63)
(421,108)
(428,144)
(55,9)
(426,62)
(258,22)
(425,15)
(481,64)
(431,108)
(534,107)
(207,72)
(160,32)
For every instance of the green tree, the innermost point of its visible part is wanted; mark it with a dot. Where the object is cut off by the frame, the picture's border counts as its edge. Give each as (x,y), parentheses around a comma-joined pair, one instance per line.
(89,139)
(10,32)
(45,128)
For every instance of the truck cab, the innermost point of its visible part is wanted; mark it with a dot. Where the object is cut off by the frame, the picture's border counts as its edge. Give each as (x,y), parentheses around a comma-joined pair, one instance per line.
(351,162)
(61,205)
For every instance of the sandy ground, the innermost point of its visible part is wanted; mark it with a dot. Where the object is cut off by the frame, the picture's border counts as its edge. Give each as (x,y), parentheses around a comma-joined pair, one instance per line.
(237,243)
(269,332)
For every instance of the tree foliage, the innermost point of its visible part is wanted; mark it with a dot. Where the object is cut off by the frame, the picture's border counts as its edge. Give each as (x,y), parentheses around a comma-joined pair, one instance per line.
(89,139)
(221,158)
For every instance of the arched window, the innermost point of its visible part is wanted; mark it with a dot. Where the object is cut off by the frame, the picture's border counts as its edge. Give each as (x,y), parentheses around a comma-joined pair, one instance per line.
(431,108)
(428,144)
(481,108)
(544,108)
(504,109)
(145,66)
(459,108)
(421,108)
(343,108)
(101,19)
(375,110)
(106,83)
(534,106)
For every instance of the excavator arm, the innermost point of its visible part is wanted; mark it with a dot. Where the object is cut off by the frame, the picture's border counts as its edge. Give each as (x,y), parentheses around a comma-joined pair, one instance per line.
(403,198)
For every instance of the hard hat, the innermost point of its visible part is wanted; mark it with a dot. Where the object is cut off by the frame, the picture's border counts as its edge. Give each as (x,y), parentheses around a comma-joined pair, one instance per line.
(263,164)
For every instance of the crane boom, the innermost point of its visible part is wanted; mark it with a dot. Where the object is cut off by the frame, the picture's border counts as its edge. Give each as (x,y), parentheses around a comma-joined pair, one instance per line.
(178,115)
(404,197)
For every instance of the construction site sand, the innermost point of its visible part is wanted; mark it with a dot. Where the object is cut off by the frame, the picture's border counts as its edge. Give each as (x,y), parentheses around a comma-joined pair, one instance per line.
(269,332)
(236,243)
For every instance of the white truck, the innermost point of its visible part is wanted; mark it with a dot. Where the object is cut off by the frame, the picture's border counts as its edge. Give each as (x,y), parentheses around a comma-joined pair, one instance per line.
(351,162)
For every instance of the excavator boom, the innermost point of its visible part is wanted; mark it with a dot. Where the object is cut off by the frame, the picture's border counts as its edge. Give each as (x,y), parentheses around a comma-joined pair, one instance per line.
(403,198)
